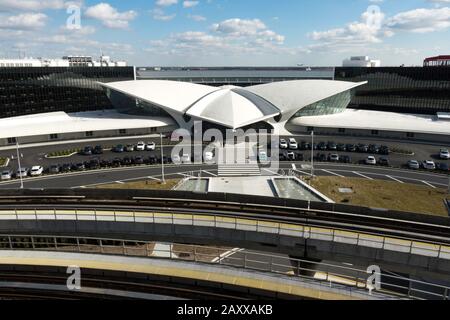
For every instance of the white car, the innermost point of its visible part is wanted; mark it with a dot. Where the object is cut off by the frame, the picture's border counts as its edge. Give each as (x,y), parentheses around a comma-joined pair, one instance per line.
(151,146)
(22,173)
(429,165)
(371,160)
(176,159)
(283,144)
(444,154)
(291,156)
(36,171)
(6,175)
(413,164)
(140,146)
(334,157)
(209,157)
(293,145)
(186,158)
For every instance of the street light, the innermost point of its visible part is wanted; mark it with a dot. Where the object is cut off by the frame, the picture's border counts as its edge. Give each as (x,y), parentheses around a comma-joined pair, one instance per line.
(312,154)
(162,159)
(18,160)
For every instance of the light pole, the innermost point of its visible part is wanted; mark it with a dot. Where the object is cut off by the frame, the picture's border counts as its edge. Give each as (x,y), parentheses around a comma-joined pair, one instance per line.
(312,154)
(162,159)
(18,161)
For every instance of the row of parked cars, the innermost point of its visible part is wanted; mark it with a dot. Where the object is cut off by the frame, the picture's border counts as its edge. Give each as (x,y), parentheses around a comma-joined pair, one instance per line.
(292,144)
(428,165)
(332,157)
(120,148)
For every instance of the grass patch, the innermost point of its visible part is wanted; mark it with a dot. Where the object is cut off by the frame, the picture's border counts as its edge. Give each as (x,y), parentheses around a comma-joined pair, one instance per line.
(145,184)
(63,153)
(384,194)
(3,161)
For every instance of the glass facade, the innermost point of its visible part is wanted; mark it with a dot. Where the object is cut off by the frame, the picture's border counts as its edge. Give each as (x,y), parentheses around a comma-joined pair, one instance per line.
(31,90)
(238,76)
(335,104)
(420,90)
(126,104)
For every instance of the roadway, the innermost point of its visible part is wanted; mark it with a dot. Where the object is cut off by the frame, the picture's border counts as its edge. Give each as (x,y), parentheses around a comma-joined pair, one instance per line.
(127,174)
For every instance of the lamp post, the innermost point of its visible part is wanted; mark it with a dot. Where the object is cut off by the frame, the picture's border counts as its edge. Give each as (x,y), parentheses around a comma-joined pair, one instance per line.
(162,159)
(18,161)
(312,154)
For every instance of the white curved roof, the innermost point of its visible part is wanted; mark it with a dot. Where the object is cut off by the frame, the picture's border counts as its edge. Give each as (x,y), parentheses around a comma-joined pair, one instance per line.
(296,94)
(231,106)
(173,95)
(231,109)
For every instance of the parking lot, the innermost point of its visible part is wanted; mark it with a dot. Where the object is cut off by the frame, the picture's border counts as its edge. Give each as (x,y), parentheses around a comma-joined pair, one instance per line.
(124,153)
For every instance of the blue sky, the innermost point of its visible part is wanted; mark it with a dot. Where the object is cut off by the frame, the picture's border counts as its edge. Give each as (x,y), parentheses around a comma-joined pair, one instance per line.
(228,32)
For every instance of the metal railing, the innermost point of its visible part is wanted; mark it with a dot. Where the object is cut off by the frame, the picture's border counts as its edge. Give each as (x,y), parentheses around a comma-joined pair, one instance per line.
(304,230)
(328,275)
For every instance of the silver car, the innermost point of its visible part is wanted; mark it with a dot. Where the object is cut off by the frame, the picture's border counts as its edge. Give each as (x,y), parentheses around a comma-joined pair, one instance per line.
(413,164)
(22,173)
(6,175)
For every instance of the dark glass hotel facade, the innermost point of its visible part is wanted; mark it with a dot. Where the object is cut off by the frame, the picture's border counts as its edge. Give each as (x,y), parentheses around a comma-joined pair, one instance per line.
(31,90)
(419,90)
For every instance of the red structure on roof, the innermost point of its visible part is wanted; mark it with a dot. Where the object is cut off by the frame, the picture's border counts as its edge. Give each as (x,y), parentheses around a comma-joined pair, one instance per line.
(439,61)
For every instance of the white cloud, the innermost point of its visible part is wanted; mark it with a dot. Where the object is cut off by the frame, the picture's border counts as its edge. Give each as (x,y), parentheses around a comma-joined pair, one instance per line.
(35,5)
(239,27)
(24,21)
(197,18)
(166,3)
(421,20)
(190,3)
(159,14)
(110,16)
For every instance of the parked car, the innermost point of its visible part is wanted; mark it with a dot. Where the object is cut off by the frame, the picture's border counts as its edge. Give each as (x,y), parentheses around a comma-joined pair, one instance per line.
(299,156)
(283,144)
(322,157)
(22,173)
(94,164)
(140,146)
(117,162)
(186,158)
(151,146)
(322,146)
(305,145)
(152,160)
(350,147)
(413,164)
(126,161)
(36,171)
(293,145)
(262,157)
(334,157)
(208,157)
(363,148)
(384,150)
(429,165)
(129,148)
(383,161)
(105,163)
(67,167)
(341,147)
(6,175)
(87,151)
(80,166)
(291,156)
(443,166)
(119,148)
(373,148)
(98,150)
(138,160)
(54,169)
(176,159)
(444,154)
(370,160)
(346,159)
(332,146)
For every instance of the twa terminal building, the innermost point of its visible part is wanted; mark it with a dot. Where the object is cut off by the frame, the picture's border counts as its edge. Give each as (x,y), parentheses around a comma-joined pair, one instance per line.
(273,106)
(142,107)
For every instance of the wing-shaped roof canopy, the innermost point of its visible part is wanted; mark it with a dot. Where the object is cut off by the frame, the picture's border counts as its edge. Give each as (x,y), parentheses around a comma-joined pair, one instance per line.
(296,94)
(231,106)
